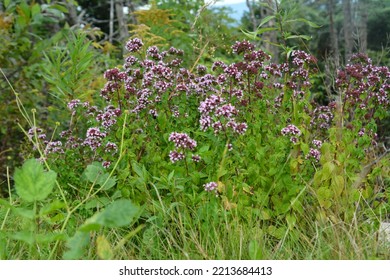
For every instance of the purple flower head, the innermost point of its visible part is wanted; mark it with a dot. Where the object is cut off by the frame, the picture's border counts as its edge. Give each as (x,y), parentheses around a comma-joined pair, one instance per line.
(111,147)
(153,52)
(201,69)
(134,45)
(114,75)
(242,47)
(315,154)
(176,156)
(196,158)
(291,130)
(73,104)
(211,186)
(317,143)
(362,132)
(54,147)
(94,133)
(226,110)
(241,128)
(210,104)
(182,140)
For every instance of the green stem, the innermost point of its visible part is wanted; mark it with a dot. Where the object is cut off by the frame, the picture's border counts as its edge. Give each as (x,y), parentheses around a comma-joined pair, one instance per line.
(89,195)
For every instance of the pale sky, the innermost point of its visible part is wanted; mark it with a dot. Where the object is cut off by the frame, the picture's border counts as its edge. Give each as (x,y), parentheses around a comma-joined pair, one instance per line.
(227,2)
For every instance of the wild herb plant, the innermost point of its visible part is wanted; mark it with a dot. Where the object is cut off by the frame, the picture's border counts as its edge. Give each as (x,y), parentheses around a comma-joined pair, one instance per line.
(240,141)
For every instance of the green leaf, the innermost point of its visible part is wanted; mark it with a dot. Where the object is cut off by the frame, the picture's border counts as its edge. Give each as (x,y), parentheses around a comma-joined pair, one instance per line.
(308,22)
(77,245)
(59,8)
(6,3)
(277,232)
(97,202)
(338,185)
(25,236)
(255,252)
(3,246)
(95,173)
(35,10)
(324,195)
(52,207)
(266,19)
(327,171)
(49,237)
(120,213)
(304,37)
(32,183)
(291,221)
(103,248)
(23,212)
(254,34)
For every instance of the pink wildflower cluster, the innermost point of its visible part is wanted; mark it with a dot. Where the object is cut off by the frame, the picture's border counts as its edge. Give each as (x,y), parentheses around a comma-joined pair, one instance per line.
(293,131)
(182,142)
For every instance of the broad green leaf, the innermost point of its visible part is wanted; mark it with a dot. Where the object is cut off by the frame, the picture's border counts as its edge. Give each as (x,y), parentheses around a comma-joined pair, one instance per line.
(97,202)
(77,245)
(52,207)
(25,236)
(23,212)
(323,196)
(120,213)
(32,183)
(95,173)
(103,248)
(255,252)
(327,171)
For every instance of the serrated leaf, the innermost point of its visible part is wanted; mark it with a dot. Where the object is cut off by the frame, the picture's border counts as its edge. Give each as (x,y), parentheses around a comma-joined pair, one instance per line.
(120,213)
(32,183)
(103,248)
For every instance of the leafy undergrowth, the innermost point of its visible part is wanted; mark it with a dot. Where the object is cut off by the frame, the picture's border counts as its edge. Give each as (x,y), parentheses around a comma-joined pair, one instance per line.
(229,161)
